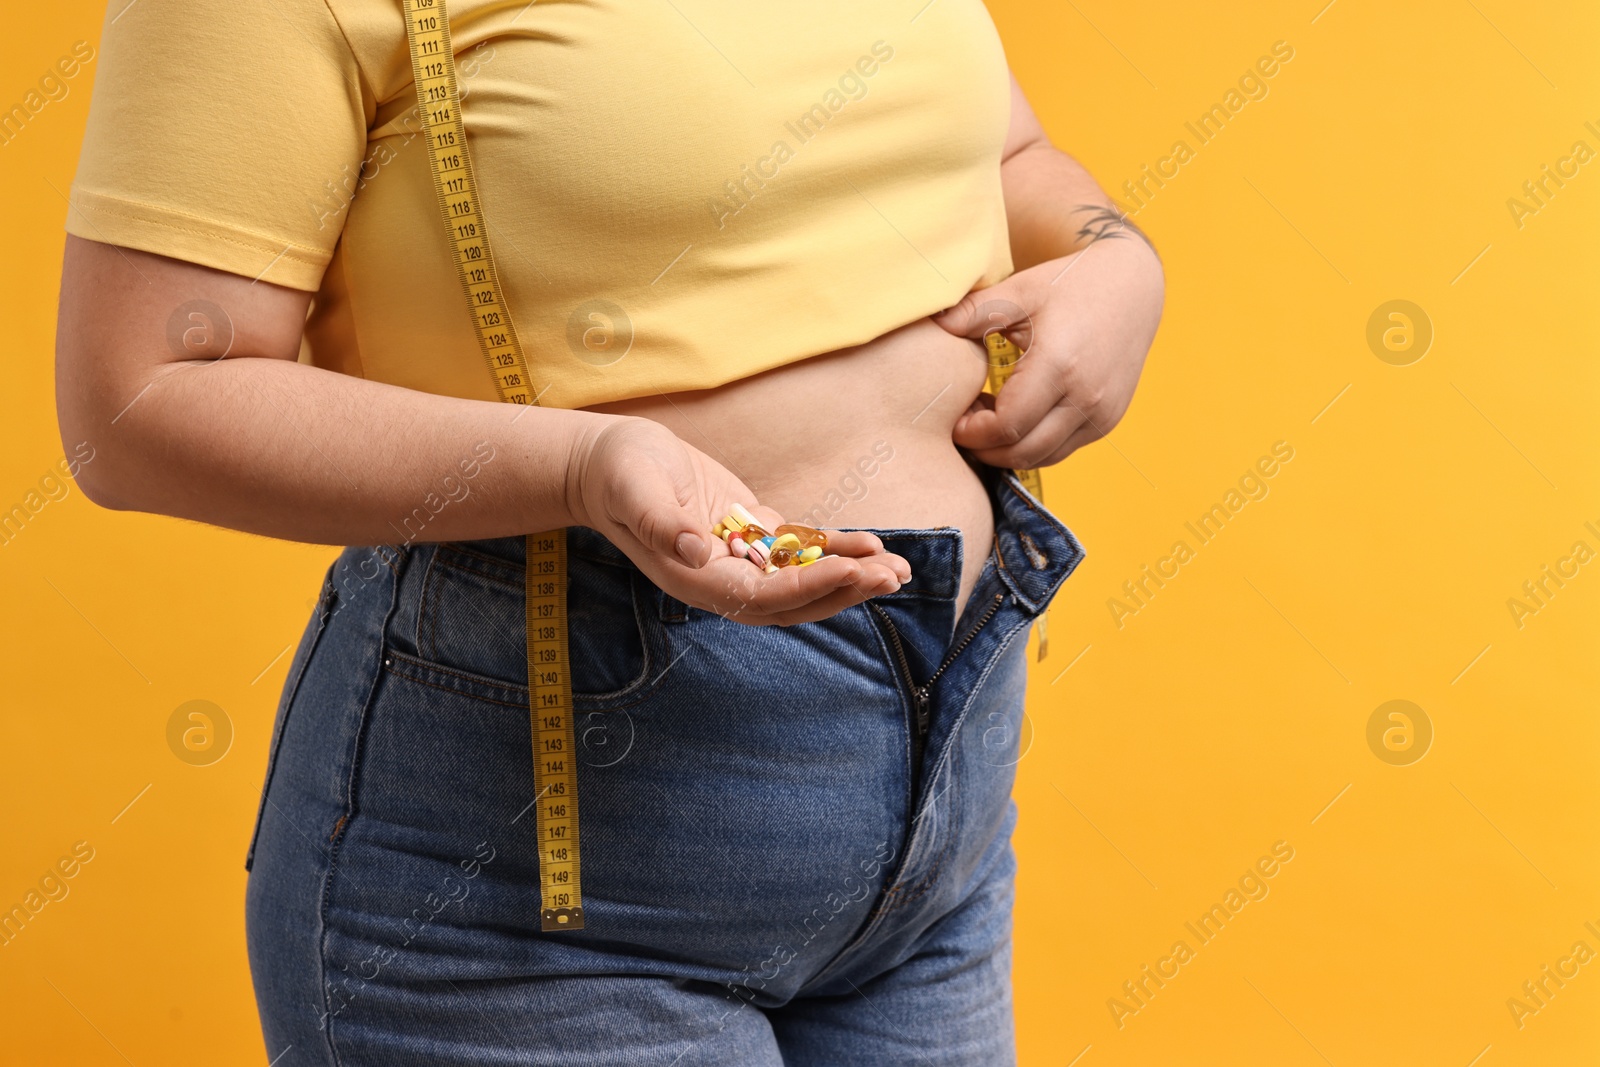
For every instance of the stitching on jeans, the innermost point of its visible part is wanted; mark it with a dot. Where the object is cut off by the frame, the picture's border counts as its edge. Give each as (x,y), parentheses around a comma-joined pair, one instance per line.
(977,686)
(949,757)
(666,609)
(876,625)
(954,831)
(428,655)
(438,668)
(429,616)
(383,552)
(507,580)
(984,677)
(886,899)
(1014,582)
(323,613)
(1020,496)
(462,548)
(606,700)
(519,705)
(894,897)
(427,633)
(337,841)
(890,899)
(1060,528)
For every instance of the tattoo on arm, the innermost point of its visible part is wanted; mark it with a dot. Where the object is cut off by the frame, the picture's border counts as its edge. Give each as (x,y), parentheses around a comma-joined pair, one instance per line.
(1101,223)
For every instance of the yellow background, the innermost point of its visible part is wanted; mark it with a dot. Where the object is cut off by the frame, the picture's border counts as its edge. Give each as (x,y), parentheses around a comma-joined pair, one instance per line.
(1167,754)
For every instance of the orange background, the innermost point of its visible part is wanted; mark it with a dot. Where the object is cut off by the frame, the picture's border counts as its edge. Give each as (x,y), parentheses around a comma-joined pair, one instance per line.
(1171,747)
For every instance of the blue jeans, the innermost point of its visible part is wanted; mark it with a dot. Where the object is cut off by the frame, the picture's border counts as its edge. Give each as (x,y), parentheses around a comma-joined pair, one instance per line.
(795,840)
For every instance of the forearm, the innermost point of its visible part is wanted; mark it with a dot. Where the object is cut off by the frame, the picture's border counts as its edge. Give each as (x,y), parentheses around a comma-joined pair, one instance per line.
(1054,207)
(278,448)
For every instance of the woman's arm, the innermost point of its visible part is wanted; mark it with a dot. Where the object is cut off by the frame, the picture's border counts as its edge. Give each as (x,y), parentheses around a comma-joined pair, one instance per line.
(258,442)
(1053,206)
(248,438)
(1086,299)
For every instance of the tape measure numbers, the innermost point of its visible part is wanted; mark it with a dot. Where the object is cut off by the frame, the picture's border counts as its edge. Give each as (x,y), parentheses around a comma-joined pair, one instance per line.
(549,677)
(1003,357)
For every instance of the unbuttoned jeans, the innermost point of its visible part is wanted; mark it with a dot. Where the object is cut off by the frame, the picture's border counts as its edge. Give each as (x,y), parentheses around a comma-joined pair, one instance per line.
(795,840)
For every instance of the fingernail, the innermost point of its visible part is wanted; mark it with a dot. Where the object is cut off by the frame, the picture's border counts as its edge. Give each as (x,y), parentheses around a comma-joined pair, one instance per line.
(690,549)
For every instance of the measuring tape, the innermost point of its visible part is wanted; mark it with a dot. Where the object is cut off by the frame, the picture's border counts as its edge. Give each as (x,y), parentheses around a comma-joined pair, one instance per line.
(1003,357)
(433,66)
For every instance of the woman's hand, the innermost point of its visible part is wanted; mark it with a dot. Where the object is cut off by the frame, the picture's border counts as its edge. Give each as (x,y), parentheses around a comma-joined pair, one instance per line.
(656,498)
(1091,316)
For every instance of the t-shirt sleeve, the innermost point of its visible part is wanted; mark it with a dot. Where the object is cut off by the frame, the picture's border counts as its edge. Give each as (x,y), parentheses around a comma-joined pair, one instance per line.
(224,133)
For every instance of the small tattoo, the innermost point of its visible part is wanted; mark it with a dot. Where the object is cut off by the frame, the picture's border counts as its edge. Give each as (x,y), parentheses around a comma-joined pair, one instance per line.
(1102,222)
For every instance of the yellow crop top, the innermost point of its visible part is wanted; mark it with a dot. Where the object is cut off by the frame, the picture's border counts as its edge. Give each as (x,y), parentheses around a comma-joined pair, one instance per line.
(725,188)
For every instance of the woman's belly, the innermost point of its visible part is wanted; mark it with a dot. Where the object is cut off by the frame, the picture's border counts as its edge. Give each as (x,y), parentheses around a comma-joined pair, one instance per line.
(859,437)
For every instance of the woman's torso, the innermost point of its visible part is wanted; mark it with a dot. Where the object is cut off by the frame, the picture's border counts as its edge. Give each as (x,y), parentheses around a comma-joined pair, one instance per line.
(734,222)
(858,437)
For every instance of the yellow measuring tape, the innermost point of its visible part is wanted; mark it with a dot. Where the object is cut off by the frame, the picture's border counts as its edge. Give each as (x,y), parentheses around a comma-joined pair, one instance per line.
(1003,357)
(433,66)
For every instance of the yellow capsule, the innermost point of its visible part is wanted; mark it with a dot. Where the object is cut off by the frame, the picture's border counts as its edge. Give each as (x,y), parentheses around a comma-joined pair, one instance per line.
(808,535)
(811,554)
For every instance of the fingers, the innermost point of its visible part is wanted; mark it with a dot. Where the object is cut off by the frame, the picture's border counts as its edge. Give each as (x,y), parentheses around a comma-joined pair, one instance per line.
(1029,394)
(1029,419)
(861,544)
(816,611)
(999,307)
(651,511)
(734,588)
(1084,435)
(1059,433)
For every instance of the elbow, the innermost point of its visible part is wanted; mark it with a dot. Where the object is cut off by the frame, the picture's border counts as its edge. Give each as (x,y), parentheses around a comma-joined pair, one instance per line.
(101,490)
(85,456)
(102,451)
(90,470)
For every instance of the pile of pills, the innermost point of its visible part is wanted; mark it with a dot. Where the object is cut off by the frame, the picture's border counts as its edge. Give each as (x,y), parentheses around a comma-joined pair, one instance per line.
(791,545)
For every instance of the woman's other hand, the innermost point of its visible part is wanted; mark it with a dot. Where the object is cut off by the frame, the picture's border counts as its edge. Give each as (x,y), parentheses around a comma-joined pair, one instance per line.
(656,498)
(1091,316)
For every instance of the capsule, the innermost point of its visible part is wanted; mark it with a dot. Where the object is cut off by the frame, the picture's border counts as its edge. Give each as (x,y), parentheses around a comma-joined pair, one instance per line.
(808,535)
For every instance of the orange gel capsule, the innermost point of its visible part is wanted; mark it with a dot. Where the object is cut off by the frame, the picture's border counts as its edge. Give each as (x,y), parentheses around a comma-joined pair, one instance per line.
(807,535)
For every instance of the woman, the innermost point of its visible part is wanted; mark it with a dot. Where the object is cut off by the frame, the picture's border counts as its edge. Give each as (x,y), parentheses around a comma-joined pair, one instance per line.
(725,238)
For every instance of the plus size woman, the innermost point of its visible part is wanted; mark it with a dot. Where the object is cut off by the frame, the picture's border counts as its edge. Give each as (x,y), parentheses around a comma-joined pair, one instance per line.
(751,254)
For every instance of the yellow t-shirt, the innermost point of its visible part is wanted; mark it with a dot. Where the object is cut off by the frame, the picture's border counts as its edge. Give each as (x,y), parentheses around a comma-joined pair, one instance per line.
(679,194)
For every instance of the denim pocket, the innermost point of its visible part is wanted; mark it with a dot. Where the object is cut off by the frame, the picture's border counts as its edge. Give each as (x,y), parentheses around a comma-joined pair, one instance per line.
(327,603)
(472,622)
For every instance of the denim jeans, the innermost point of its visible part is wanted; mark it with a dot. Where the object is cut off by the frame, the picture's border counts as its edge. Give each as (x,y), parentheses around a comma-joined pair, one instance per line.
(795,840)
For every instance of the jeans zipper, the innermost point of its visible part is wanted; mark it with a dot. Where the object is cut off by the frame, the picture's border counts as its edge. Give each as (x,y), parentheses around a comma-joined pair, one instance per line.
(921,695)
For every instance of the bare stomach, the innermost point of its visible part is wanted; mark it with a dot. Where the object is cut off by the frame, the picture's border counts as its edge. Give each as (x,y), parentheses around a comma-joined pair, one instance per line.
(854,438)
